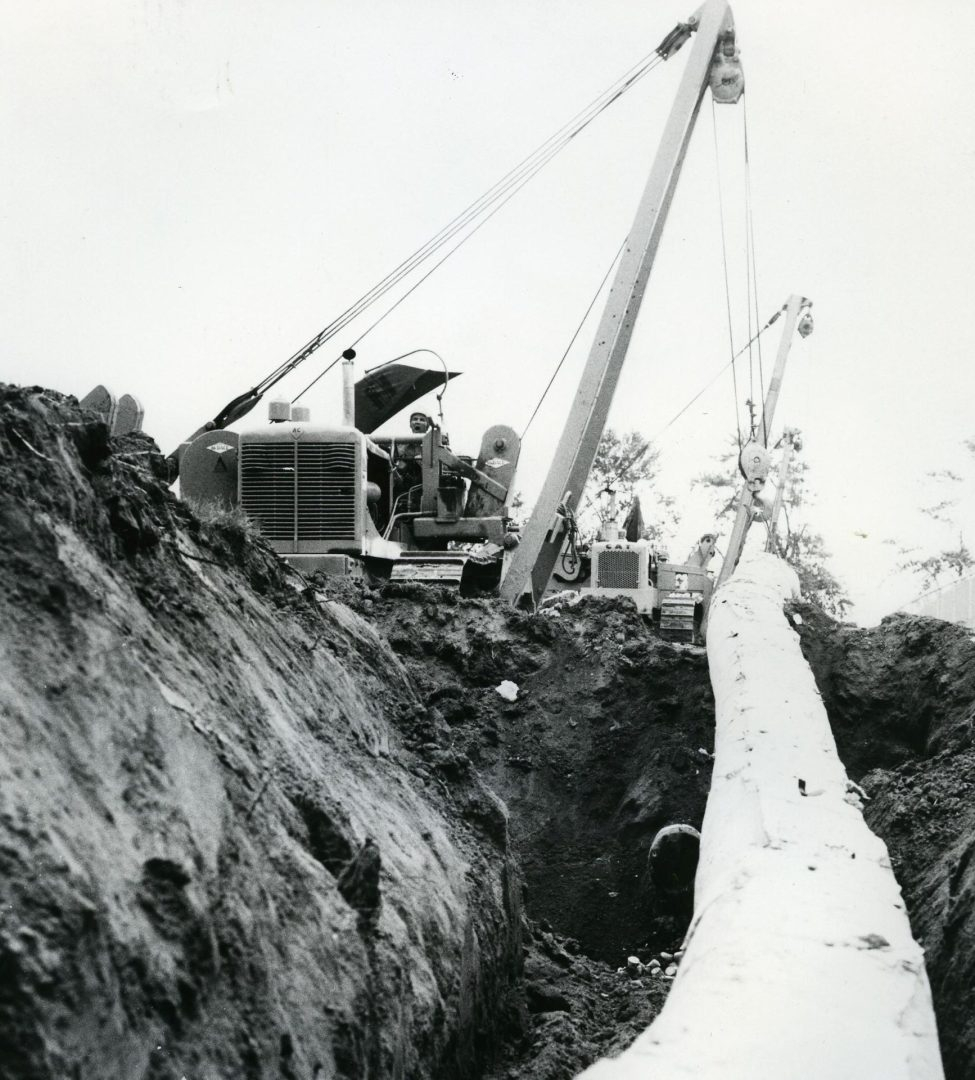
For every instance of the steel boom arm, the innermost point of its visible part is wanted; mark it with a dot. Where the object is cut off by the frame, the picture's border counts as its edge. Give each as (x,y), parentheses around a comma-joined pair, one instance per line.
(743,518)
(533,560)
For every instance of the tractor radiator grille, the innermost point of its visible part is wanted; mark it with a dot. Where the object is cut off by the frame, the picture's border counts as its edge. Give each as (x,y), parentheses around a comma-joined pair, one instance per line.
(267,487)
(326,491)
(618,569)
(300,491)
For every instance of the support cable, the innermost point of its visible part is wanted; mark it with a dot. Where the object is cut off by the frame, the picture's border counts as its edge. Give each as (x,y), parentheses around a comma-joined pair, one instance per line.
(724,259)
(751,366)
(707,386)
(413,288)
(652,441)
(572,340)
(514,179)
(748,316)
(753,266)
(513,182)
(484,220)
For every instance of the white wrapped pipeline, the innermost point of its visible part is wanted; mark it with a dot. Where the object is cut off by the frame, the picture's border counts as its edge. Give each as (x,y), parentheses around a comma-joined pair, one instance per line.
(799,961)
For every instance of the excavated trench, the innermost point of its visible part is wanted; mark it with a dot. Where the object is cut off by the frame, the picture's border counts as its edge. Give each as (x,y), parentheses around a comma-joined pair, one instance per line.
(607,742)
(256,826)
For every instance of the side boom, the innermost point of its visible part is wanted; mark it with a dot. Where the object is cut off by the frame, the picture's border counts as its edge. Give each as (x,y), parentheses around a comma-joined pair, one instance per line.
(533,560)
(743,519)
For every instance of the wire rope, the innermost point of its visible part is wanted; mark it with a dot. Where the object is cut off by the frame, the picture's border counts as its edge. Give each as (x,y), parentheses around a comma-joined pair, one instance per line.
(748,314)
(748,319)
(707,386)
(515,178)
(572,340)
(412,289)
(651,442)
(724,259)
(484,220)
(753,265)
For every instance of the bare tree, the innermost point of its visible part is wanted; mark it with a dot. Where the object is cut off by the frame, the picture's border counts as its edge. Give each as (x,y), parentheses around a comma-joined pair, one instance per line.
(954,559)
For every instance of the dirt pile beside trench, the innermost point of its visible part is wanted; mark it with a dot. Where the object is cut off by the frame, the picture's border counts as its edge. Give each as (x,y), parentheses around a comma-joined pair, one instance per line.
(901,701)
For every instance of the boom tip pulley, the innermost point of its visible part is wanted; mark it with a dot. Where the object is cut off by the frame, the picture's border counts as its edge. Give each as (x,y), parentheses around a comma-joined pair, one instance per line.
(727,79)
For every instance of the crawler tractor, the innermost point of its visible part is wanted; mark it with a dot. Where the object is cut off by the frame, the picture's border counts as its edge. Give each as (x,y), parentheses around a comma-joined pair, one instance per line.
(339,500)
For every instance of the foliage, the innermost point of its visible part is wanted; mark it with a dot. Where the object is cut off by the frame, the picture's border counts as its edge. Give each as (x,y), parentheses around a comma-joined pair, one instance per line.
(954,559)
(722,483)
(795,540)
(806,553)
(232,519)
(627,466)
(958,561)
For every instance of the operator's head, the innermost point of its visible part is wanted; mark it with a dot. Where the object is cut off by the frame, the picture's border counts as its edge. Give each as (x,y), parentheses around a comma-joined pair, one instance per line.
(419,423)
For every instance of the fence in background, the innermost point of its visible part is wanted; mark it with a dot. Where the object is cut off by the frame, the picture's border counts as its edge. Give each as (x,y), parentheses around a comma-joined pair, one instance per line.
(953,603)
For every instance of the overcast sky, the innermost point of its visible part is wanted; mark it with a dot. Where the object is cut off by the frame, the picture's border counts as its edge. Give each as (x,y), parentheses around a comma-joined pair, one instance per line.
(192,190)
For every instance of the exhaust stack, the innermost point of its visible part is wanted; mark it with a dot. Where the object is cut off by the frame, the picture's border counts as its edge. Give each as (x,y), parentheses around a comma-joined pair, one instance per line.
(348,392)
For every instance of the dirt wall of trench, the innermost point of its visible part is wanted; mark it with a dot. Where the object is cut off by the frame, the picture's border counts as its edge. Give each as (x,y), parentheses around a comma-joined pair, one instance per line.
(609,740)
(217,857)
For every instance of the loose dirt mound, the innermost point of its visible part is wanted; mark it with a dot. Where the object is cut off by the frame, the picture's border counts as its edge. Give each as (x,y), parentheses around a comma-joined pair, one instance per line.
(901,700)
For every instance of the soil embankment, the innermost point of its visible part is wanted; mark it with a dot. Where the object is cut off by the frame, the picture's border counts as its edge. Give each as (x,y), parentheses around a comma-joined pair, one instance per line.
(216,856)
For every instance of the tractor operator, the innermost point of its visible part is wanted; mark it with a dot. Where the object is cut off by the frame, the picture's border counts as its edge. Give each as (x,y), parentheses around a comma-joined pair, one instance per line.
(408,472)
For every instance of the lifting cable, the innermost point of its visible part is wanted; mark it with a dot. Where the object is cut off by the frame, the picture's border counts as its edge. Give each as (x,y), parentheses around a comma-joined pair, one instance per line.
(724,260)
(714,379)
(752,269)
(754,339)
(572,340)
(509,183)
(652,441)
(350,352)
(748,309)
